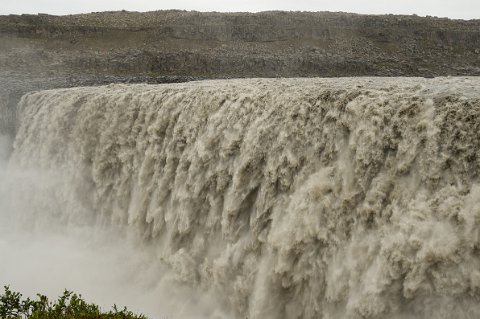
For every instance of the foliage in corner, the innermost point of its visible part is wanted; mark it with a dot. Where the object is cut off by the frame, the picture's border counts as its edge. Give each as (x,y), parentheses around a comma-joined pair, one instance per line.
(68,306)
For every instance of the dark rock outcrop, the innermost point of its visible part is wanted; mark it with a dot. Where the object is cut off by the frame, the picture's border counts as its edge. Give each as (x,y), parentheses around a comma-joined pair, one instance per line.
(266,44)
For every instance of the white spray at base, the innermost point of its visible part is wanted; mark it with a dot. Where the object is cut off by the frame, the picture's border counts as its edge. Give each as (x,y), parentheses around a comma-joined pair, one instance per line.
(298,198)
(98,263)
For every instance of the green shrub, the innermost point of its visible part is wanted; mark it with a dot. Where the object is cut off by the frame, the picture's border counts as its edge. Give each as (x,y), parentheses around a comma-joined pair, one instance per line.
(68,306)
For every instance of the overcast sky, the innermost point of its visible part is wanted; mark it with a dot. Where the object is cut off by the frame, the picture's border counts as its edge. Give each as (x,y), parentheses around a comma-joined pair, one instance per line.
(458,9)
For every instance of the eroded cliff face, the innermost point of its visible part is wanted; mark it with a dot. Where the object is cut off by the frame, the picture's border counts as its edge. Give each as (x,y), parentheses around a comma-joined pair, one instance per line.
(295,198)
(266,44)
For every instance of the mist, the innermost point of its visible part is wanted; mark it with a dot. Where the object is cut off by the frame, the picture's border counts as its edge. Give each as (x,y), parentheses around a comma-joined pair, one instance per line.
(41,255)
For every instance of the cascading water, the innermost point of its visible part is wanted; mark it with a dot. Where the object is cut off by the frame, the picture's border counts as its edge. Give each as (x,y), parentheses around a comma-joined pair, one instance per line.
(292,198)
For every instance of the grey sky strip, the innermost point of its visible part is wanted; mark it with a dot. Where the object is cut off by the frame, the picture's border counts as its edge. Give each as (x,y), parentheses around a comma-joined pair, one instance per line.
(459,9)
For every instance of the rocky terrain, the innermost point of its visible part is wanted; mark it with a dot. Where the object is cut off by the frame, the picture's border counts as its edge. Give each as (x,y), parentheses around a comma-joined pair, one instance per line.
(43,51)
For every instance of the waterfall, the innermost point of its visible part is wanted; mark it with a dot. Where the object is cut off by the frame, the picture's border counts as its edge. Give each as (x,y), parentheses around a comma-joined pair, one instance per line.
(284,198)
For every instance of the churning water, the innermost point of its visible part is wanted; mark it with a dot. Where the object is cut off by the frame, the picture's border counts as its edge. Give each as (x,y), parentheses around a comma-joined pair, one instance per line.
(293,198)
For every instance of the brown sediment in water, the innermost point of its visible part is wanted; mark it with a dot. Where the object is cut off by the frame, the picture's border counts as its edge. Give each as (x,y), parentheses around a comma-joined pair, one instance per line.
(291,198)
